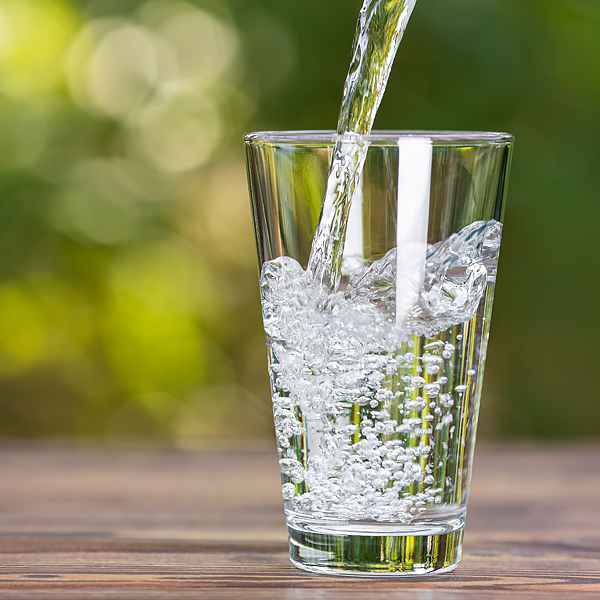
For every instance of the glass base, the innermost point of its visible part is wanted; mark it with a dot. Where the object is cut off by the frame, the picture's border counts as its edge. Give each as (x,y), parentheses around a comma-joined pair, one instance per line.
(375,549)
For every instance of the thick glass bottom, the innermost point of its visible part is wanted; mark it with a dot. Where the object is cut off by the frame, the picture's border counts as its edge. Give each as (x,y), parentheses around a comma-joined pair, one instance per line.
(376,549)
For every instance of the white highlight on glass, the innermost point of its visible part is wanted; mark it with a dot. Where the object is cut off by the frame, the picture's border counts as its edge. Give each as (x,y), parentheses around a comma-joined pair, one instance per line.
(414,186)
(354,256)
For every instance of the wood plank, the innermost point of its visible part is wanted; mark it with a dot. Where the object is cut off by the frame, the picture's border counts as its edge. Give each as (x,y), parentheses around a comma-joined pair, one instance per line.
(84,523)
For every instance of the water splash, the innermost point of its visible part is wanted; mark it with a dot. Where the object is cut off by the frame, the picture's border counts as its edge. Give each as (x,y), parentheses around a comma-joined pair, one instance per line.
(381,25)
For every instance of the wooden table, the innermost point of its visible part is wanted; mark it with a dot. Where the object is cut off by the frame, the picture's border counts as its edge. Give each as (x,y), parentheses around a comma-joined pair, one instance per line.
(145,524)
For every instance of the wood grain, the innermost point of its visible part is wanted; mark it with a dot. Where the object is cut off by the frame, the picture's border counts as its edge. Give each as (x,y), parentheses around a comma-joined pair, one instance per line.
(90,523)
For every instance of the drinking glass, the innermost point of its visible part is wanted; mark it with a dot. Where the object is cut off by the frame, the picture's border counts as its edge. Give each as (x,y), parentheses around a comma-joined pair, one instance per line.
(376,384)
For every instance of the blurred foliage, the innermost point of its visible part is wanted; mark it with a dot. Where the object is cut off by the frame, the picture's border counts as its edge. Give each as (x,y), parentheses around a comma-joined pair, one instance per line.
(128,285)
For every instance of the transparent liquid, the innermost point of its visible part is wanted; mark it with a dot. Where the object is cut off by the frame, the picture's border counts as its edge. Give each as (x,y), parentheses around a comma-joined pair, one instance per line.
(375,419)
(395,453)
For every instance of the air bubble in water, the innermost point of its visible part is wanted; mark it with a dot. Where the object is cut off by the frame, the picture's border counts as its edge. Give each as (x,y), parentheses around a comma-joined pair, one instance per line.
(289,491)
(418,381)
(446,400)
(417,404)
(435,345)
(432,390)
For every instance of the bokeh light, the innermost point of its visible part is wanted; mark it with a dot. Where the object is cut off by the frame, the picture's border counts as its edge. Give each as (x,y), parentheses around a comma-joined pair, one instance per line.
(129,197)
(34,35)
(129,304)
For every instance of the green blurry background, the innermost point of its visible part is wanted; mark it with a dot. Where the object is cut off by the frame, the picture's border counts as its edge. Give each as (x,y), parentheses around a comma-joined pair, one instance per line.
(129,305)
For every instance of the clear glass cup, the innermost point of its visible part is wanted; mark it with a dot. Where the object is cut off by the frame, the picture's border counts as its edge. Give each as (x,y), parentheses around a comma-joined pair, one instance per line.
(376,385)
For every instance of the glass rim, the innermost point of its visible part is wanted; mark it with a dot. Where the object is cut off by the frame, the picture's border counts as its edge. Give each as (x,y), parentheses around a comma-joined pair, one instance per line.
(329,137)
